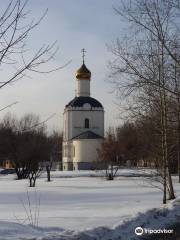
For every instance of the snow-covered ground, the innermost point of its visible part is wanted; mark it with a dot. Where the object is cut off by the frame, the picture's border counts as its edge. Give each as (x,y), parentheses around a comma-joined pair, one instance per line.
(82,203)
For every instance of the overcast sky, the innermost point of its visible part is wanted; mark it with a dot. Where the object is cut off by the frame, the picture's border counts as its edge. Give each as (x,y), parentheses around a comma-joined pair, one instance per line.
(75,24)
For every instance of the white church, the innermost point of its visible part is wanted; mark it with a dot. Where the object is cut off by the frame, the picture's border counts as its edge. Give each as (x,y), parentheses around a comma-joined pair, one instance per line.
(83,130)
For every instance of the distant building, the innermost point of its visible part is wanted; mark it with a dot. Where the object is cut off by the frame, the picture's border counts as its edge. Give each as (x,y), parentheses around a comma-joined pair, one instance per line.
(6,163)
(83,130)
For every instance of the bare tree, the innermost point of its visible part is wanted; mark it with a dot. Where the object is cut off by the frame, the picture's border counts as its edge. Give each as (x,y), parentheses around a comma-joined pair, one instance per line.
(26,149)
(55,148)
(142,63)
(36,154)
(109,155)
(15,55)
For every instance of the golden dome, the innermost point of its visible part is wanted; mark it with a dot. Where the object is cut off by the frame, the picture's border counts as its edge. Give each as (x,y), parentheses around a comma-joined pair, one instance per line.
(83,72)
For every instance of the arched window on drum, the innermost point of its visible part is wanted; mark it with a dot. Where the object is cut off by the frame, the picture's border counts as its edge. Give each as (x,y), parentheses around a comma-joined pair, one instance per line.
(86,123)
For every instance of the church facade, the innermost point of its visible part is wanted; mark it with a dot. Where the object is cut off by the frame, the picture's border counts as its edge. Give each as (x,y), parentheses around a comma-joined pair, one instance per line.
(83,130)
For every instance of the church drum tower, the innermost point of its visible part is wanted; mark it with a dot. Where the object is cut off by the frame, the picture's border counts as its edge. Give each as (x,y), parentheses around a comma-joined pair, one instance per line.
(83,130)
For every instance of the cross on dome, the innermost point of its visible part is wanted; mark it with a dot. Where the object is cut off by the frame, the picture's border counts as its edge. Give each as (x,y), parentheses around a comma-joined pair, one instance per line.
(83,54)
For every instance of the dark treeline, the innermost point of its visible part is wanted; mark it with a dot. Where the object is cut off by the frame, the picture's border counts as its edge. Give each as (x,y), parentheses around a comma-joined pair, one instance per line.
(138,143)
(26,143)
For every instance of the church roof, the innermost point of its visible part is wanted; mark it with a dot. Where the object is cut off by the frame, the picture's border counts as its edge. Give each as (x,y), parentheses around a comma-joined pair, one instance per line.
(87,135)
(80,101)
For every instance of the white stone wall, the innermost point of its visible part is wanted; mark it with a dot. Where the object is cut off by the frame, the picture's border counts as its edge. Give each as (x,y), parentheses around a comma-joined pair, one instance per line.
(85,150)
(74,119)
(67,151)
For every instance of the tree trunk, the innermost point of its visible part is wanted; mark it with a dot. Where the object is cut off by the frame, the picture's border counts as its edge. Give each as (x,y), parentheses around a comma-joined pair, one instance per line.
(178,120)
(48,173)
(170,185)
(163,112)
(34,182)
(32,179)
(178,140)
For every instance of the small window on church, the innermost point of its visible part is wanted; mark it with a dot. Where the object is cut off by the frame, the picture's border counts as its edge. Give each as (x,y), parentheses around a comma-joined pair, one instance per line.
(86,123)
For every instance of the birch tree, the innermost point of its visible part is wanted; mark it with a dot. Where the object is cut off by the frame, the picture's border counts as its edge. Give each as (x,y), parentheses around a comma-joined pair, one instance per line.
(141,63)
